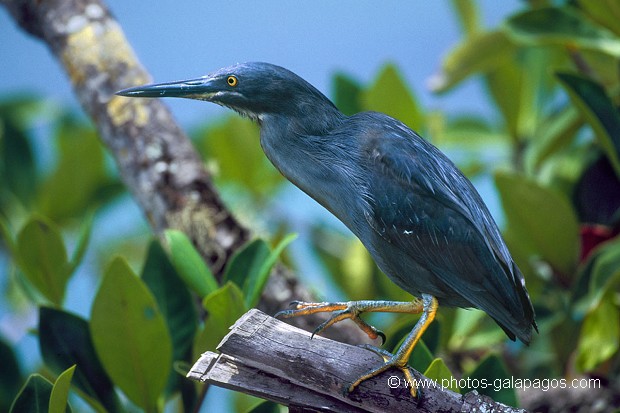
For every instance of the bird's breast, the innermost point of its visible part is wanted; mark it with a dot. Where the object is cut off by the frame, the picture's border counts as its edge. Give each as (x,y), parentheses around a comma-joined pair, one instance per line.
(327,173)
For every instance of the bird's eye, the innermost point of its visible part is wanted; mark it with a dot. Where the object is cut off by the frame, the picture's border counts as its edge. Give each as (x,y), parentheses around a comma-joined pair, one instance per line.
(232,81)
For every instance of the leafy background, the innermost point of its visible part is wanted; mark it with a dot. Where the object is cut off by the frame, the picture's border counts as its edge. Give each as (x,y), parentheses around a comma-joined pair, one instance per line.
(551,146)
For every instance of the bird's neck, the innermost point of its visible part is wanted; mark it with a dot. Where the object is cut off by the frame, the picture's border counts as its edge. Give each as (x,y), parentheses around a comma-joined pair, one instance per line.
(308,118)
(312,162)
(285,140)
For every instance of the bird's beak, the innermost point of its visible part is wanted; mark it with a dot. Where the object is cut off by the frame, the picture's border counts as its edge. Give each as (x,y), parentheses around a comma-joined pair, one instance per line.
(201,88)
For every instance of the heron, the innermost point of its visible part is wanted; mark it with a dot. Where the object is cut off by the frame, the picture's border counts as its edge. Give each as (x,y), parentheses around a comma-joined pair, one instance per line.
(422,221)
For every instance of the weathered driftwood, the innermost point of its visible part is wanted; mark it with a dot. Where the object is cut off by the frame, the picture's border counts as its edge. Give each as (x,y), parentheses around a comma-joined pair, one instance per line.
(268,358)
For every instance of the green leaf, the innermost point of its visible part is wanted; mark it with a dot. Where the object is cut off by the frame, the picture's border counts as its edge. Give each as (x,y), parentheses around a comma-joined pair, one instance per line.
(557,132)
(604,274)
(265,406)
(17,165)
(356,271)
(10,377)
(480,53)
(59,399)
(466,321)
(465,133)
(64,340)
(473,330)
(605,12)
(357,279)
(542,218)
(256,283)
(130,335)
(250,266)
(347,94)
(80,178)
(506,86)
(602,67)
(189,264)
(491,369)
(439,372)
(34,396)
(245,403)
(82,244)
(421,357)
(235,142)
(517,86)
(224,307)
(391,95)
(174,301)
(599,111)
(561,27)
(584,281)
(43,258)
(23,108)
(245,263)
(600,334)
(605,279)
(7,236)
(467,11)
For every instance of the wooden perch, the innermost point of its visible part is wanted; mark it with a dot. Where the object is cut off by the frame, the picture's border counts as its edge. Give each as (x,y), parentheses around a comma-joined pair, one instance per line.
(270,359)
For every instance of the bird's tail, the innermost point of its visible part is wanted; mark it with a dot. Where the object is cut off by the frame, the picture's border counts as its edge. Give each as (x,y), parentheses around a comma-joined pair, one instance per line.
(522,317)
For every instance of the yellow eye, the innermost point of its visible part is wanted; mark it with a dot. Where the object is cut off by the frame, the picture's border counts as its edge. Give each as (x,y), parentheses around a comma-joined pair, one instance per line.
(232,81)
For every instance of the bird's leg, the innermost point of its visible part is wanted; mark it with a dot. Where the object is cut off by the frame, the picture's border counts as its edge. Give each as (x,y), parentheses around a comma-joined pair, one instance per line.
(401,357)
(352,310)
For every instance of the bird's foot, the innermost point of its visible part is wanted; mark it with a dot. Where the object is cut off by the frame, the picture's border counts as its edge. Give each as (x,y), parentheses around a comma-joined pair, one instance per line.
(386,355)
(340,310)
(400,359)
(390,361)
(352,309)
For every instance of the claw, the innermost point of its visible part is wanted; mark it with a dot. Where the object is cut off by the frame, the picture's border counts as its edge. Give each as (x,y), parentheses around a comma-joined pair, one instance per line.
(336,317)
(281,313)
(382,335)
(386,355)
(346,389)
(340,312)
(288,313)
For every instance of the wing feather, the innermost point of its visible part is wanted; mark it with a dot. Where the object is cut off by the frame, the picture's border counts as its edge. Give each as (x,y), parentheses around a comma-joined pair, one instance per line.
(427,208)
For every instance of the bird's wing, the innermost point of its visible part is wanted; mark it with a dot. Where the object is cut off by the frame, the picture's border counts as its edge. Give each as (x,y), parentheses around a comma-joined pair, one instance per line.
(423,205)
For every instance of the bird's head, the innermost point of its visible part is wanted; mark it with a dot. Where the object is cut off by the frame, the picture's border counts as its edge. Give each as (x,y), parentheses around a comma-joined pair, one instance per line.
(252,89)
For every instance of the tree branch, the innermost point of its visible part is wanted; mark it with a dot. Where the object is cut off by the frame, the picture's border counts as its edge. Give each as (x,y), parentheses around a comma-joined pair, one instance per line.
(156,160)
(267,358)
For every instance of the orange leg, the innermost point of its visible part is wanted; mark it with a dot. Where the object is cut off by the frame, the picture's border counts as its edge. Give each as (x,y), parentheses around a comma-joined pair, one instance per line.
(401,357)
(352,309)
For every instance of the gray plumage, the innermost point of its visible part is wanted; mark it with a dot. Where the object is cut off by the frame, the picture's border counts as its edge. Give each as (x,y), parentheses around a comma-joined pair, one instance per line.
(420,218)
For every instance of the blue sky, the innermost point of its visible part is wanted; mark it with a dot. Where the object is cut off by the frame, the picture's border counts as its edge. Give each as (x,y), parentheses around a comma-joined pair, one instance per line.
(176,40)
